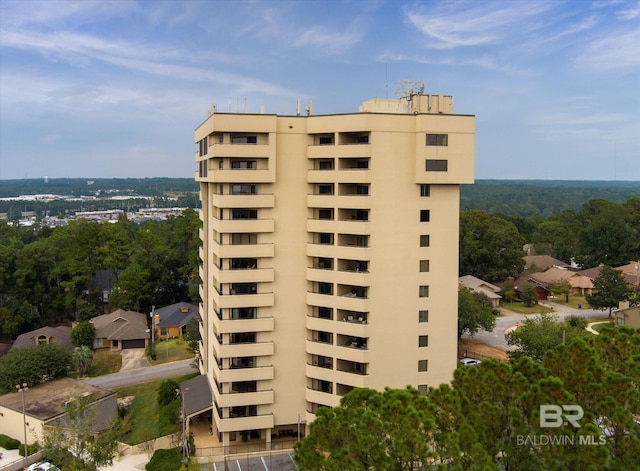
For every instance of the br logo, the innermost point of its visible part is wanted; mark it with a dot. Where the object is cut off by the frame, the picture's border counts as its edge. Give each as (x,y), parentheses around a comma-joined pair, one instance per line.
(551,415)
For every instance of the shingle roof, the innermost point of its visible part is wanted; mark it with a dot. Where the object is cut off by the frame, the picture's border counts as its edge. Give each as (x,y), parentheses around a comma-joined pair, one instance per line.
(476,284)
(61,334)
(197,395)
(178,314)
(542,261)
(121,325)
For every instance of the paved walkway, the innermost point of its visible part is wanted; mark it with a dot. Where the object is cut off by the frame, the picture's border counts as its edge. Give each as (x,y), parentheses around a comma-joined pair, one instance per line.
(133,358)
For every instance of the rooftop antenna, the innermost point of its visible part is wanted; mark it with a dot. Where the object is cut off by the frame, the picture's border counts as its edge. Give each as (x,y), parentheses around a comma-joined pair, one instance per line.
(298,108)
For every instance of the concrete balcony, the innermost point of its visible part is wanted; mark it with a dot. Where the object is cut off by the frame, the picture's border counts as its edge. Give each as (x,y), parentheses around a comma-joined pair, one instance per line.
(352,353)
(350,303)
(332,150)
(243,423)
(243,399)
(239,176)
(243,300)
(259,373)
(354,327)
(240,150)
(243,349)
(257,275)
(358,278)
(339,201)
(243,251)
(243,225)
(320,274)
(339,176)
(244,201)
(317,372)
(319,348)
(320,397)
(316,323)
(265,324)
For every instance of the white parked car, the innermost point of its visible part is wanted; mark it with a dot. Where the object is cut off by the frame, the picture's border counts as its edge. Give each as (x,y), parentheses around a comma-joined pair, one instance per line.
(43,466)
(470,361)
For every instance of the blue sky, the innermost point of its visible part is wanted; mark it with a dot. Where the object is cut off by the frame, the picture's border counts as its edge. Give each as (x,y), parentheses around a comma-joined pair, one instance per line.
(115,88)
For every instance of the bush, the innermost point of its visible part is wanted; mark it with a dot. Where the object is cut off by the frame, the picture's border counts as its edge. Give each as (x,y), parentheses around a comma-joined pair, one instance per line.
(9,443)
(33,448)
(576,321)
(165,460)
(167,392)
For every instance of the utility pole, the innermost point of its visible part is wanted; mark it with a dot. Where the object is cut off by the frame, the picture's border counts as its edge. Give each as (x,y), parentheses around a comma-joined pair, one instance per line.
(22,389)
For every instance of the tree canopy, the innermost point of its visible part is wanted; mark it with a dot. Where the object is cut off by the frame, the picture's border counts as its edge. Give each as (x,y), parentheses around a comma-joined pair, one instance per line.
(474,313)
(489,417)
(610,288)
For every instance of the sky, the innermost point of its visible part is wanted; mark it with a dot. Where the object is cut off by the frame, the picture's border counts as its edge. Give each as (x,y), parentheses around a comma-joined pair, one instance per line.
(102,89)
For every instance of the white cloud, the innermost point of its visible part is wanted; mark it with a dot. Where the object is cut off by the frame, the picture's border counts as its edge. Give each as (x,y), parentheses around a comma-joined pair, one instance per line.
(617,50)
(331,41)
(630,13)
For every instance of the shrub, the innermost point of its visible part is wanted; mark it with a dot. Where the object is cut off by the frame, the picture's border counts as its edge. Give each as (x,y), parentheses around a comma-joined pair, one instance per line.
(31,449)
(576,321)
(167,392)
(9,443)
(165,460)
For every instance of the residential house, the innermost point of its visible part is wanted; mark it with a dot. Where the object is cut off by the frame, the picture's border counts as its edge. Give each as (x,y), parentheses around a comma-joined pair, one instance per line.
(629,316)
(60,335)
(479,286)
(580,284)
(631,272)
(542,262)
(121,330)
(47,403)
(171,321)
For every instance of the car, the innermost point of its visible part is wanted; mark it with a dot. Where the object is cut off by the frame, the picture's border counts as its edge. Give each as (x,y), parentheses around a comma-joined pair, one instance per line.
(470,361)
(43,466)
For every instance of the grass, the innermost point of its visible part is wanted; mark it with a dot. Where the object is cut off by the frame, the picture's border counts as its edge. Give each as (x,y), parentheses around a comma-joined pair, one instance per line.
(522,309)
(171,350)
(105,362)
(145,411)
(574,301)
(599,327)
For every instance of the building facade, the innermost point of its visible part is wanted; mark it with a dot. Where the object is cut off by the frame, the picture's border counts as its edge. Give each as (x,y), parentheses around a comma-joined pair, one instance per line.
(330,256)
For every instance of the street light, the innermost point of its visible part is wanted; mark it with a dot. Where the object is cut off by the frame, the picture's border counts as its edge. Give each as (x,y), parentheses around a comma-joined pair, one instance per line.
(22,389)
(185,447)
(300,422)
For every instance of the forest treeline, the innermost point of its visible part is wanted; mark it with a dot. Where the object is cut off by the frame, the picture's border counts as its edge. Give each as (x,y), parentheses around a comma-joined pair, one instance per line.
(508,197)
(46,273)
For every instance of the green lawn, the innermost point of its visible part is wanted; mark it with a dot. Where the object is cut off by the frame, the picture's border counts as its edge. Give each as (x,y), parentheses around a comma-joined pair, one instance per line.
(171,350)
(574,301)
(145,412)
(599,327)
(522,309)
(105,362)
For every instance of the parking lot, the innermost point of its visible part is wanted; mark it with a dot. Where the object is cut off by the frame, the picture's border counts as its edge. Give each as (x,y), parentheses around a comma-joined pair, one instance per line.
(272,462)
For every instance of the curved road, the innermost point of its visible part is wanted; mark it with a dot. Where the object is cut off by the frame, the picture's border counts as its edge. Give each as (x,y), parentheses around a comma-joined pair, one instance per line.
(143,375)
(510,319)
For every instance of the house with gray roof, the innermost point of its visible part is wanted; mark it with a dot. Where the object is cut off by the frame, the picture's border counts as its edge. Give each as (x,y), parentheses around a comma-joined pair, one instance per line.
(121,330)
(171,321)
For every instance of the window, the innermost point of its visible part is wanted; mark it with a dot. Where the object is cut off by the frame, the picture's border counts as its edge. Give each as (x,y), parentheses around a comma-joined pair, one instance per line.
(244,214)
(423,316)
(243,263)
(363,139)
(422,389)
(325,288)
(325,238)
(244,189)
(243,337)
(244,313)
(424,215)
(325,140)
(203,146)
(325,189)
(424,240)
(202,166)
(362,190)
(244,140)
(325,214)
(325,312)
(324,263)
(424,291)
(325,164)
(437,139)
(244,239)
(164,331)
(425,190)
(434,165)
(424,266)
(423,341)
(422,365)
(243,164)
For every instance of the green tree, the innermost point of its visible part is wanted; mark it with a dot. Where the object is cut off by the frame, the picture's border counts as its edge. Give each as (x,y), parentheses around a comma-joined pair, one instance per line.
(83,334)
(9,323)
(540,334)
(192,336)
(86,310)
(33,365)
(82,359)
(76,433)
(490,247)
(386,430)
(474,313)
(562,287)
(528,295)
(610,288)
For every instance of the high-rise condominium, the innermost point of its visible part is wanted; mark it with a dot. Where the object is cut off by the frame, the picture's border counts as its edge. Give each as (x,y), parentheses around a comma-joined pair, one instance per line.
(330,256)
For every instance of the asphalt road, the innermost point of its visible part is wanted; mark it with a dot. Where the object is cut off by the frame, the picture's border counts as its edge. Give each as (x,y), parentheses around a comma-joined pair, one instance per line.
(509,319)
(143,375)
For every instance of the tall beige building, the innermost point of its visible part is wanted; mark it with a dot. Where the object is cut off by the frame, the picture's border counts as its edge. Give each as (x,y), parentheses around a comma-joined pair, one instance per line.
(330,256)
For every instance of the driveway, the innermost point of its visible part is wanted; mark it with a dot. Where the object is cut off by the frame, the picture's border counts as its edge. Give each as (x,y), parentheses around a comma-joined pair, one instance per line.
(133,358)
